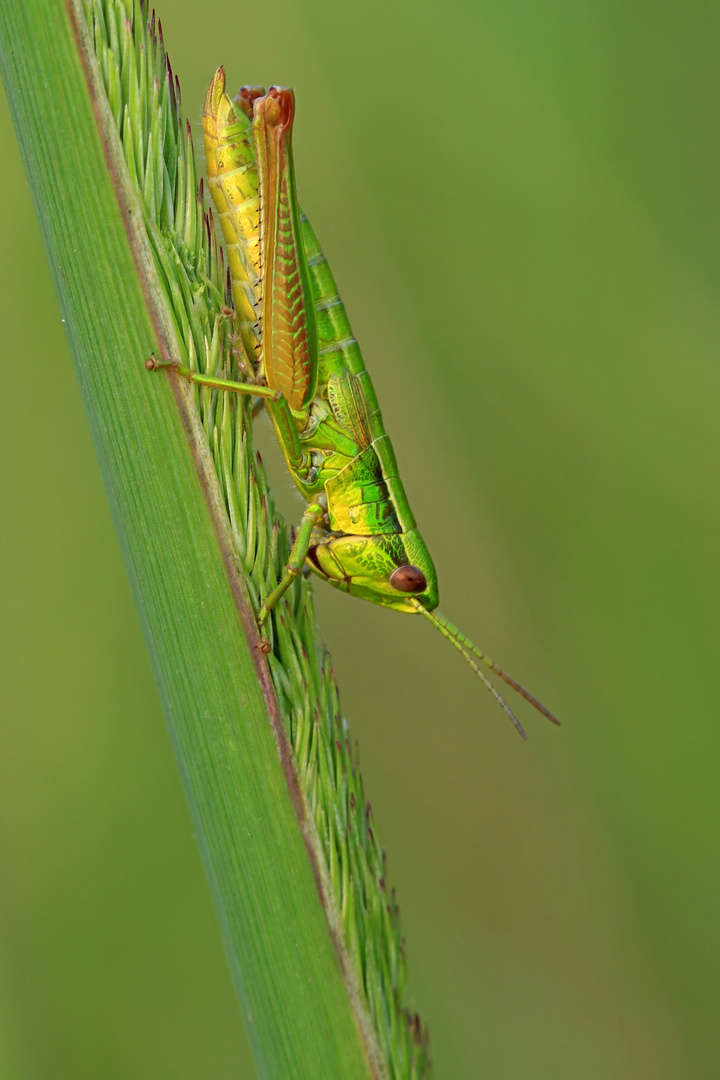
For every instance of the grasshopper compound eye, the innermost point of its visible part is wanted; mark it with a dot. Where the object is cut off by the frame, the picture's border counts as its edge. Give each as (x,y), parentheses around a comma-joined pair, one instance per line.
(408,579)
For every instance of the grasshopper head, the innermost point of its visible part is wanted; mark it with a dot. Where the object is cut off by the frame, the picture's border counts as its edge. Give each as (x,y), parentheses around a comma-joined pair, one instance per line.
(391,569)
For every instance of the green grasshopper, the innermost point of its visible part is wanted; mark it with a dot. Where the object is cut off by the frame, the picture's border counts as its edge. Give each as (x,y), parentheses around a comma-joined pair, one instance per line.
(357,532)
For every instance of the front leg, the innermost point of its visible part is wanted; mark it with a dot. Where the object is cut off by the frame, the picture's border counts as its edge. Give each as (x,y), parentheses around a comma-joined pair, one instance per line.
(314,513)
(273,400)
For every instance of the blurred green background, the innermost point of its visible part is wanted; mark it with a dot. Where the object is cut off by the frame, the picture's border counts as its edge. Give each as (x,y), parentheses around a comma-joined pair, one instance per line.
(521,204)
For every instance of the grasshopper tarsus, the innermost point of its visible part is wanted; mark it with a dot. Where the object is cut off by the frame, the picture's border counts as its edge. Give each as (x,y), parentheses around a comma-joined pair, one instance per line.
(153,364)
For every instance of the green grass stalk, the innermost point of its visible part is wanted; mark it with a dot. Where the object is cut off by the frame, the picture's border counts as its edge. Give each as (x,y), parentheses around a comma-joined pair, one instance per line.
(274,788)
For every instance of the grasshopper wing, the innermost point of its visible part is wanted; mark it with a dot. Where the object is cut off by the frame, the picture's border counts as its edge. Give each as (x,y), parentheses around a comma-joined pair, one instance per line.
(349,406)
(289,333)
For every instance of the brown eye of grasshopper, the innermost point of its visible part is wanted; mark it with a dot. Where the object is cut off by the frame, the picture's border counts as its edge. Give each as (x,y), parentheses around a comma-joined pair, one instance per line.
(408,579)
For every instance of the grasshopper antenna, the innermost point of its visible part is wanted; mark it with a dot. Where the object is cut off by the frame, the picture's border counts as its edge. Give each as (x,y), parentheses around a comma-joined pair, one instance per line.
(465,647)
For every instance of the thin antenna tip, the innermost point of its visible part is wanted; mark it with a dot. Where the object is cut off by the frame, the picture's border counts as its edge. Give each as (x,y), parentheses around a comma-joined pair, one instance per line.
(517,725)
